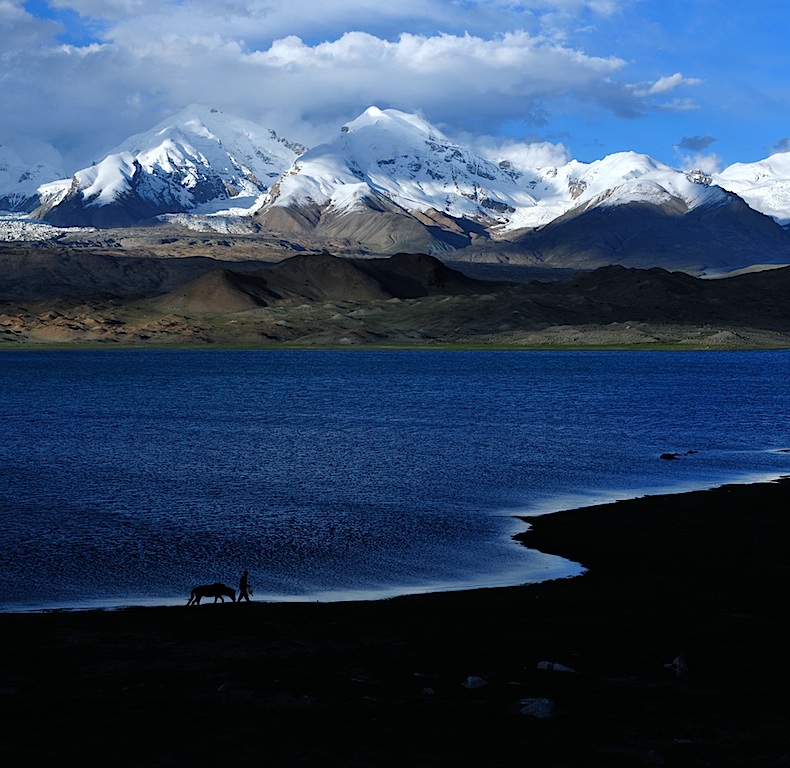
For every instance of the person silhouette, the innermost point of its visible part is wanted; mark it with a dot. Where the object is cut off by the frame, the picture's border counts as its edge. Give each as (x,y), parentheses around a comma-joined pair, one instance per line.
(244,587)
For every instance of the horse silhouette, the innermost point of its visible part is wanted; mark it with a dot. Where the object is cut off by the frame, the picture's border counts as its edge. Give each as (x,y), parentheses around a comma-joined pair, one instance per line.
(218,591)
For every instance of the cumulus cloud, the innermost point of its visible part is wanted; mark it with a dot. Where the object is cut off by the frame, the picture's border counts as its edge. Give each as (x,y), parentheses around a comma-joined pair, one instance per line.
(518,60)
(154,58)
(692,155)
(523,155)
(707,163)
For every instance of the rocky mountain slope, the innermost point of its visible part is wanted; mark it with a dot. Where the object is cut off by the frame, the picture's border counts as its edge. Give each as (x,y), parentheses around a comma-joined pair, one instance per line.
(723,234)
(382,165)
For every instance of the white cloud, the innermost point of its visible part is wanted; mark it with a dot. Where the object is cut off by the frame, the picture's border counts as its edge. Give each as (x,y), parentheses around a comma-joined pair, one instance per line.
(524,156)
(707,163)
(698,158)
(20,29)
(678,105)
(514,58)
(665,84)
(88,99)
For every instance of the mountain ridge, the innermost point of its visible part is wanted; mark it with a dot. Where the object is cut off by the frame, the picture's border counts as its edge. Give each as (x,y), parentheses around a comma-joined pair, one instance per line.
(389,181)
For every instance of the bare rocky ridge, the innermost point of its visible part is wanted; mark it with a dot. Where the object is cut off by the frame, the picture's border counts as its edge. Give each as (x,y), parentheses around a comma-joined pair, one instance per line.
(377,225)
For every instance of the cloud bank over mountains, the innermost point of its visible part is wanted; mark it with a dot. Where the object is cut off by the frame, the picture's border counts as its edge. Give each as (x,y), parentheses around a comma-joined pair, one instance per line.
(247,58)
(82,74)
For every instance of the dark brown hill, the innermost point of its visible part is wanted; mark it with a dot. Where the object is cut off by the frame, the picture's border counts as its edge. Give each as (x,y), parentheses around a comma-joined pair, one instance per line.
(618,294)
(412,275)
(31,272)
(230,291)
(411,298)
(321,277)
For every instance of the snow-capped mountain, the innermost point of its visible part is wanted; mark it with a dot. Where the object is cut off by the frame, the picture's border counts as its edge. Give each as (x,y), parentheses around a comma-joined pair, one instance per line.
(618,179)
(20,180)
(199,157)
(407,160)
(385,157)
(641,224)
(390,181)
(632,210)
(764,185)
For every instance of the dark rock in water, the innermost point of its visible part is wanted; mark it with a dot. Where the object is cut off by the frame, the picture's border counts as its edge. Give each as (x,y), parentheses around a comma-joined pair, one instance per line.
(669,456)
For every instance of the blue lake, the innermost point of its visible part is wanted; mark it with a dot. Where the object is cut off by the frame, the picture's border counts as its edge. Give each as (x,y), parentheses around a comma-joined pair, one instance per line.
(127,477)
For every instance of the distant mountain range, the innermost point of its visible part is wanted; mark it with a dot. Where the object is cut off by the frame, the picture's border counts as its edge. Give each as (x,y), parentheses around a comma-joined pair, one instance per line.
(391,182)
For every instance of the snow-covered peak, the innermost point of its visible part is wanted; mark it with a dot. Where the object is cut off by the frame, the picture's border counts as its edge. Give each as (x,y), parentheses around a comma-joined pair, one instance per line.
(777,166)
(391,121)
(617,179)
(206,162)
(108,180)
(406,159)
(764,185)
(188,162)
(19,179)
(643,179)
(246,156)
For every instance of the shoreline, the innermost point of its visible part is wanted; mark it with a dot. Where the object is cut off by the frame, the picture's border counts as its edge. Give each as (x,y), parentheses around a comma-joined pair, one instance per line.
(597,501)
(448,346)
(702,575)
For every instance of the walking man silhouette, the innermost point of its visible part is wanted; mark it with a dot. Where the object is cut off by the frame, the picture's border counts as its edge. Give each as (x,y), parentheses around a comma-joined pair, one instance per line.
(244,587)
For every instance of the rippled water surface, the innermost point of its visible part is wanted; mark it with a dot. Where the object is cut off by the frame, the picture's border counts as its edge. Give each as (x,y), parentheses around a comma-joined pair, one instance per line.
(126,477)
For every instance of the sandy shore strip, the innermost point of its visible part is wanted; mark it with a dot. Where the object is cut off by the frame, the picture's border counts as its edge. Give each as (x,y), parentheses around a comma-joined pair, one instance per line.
(670,651)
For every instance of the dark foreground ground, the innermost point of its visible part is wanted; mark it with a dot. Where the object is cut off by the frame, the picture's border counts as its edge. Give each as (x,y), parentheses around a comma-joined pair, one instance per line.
(703,575)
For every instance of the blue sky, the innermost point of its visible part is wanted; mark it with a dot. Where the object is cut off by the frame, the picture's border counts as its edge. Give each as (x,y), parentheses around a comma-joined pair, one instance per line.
(695,84)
